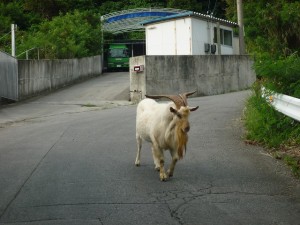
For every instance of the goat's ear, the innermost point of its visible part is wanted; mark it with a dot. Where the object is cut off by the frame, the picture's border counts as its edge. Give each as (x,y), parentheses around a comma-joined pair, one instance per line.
(193,108)
(173,110)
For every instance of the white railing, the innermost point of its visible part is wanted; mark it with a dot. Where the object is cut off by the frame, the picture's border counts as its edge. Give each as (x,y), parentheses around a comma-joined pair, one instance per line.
(285,104)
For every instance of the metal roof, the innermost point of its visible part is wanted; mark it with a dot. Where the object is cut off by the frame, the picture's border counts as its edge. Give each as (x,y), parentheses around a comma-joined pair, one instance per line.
(135,19)
(190,14)
(131,20)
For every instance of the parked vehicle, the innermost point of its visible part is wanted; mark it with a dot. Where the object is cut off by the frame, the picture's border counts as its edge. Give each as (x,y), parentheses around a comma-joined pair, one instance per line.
(118,57)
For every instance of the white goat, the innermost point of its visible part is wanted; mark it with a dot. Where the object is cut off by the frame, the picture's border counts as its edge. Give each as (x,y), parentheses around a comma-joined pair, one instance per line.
(165,125)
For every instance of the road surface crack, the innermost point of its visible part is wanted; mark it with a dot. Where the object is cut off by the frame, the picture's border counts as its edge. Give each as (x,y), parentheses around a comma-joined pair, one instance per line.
(178,201)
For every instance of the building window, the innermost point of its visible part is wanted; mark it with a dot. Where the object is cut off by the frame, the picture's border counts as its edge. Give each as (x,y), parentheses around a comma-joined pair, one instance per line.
(226,36)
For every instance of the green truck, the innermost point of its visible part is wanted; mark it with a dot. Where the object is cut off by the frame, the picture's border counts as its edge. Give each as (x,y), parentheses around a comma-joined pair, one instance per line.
(118,57)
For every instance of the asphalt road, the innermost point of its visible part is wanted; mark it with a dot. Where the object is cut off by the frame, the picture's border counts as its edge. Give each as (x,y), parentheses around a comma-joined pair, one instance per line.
(68,158)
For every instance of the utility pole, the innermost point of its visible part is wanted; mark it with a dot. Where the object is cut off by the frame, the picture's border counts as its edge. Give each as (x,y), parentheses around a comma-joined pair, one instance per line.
(219,38)
(241,26)
(102,40)
(13,41)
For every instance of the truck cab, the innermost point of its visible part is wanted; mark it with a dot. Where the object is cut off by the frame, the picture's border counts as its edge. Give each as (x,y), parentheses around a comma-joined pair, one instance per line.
(118,57)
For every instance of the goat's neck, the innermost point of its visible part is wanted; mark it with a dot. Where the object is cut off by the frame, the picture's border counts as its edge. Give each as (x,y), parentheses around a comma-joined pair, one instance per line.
(181,140)
(175,138)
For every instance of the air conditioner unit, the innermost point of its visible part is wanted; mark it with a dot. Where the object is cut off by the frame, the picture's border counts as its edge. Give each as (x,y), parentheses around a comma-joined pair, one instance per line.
(213,49)
(206,47)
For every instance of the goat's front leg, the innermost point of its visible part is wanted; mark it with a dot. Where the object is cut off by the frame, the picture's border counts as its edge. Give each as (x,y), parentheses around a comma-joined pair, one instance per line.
(162,174)
(172,166)
(159,156)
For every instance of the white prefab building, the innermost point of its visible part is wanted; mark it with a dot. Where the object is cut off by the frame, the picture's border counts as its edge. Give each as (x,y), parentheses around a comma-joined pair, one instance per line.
(190,34)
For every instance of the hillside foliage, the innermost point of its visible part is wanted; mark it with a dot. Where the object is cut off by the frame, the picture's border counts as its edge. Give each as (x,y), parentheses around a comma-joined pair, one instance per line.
(71,28)
(272,33)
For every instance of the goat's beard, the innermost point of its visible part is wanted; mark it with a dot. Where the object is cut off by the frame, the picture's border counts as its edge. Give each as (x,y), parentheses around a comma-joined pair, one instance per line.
(182,139)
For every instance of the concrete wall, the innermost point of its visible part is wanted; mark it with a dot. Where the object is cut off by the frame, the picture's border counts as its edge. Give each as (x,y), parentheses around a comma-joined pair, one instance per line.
(36,76)
(207,74)
(137,79)
(8,77)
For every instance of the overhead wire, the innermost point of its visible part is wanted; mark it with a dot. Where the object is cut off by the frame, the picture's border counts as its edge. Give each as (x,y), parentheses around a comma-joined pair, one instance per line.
(212,13)
(5,35)
(208,8)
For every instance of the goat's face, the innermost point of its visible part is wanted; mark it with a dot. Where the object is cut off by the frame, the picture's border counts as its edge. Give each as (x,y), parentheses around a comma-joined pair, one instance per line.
(182,127)
(181,118)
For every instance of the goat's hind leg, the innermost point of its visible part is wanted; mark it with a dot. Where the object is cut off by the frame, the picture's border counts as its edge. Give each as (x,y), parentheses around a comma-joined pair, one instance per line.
(139,147)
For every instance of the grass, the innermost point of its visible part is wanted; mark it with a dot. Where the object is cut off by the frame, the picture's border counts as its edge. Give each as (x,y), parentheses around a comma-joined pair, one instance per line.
(279,134)
(89,105)
(293,163)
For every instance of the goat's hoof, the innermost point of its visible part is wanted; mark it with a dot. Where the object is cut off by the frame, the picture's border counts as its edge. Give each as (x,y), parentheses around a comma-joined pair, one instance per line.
(157,168)
(163,177)
(137,164)
(170,174)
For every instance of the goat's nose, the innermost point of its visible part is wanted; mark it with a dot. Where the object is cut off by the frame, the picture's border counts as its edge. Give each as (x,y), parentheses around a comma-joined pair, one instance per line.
(186,129)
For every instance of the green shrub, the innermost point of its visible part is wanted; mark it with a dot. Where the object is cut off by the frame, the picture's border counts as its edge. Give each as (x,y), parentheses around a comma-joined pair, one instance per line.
(280,75)
(272,129)
(267,126)
(73,35)
(294,165)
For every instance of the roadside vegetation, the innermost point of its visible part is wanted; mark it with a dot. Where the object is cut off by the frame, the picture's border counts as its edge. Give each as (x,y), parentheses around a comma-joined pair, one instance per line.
(272,38)
(71,28)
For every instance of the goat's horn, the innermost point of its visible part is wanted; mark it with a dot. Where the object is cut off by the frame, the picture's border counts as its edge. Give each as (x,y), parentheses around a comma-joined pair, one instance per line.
(185,95)
(188,94)
(178,100)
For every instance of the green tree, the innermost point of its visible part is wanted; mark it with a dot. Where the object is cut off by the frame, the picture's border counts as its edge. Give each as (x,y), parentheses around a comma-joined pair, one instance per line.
(66,36)
(51,8)
(192,5)
(12,12)
(273,37)
(111,6)
(271,27)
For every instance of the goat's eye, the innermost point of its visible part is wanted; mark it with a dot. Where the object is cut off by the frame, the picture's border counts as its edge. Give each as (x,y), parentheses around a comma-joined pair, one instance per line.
(179,115)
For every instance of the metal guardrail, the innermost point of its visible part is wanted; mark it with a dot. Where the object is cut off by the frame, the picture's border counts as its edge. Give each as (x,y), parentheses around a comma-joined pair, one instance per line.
(285,104)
